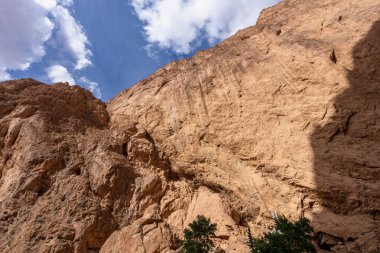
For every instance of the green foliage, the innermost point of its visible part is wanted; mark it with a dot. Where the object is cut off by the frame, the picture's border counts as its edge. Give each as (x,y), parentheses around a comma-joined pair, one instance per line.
(197,238)
(287,237)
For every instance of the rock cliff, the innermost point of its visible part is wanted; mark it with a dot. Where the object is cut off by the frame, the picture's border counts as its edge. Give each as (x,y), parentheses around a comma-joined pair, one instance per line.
(281,117)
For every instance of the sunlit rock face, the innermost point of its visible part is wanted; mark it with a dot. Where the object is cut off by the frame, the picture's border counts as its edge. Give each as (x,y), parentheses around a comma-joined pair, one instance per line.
(282,117)
(72,181)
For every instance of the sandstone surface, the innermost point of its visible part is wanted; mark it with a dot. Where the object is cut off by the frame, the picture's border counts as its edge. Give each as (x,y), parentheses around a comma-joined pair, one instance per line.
(73,182)
(281,117)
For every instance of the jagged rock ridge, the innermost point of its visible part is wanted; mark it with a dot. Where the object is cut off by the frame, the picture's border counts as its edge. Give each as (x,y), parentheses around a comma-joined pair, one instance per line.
(283,116)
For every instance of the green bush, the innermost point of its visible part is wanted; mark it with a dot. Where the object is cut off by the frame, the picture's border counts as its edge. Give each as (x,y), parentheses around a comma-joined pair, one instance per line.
(197,238)
(287,237)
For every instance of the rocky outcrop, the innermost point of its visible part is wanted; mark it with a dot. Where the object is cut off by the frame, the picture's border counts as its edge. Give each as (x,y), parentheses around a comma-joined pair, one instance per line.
(53,176)
(282,117)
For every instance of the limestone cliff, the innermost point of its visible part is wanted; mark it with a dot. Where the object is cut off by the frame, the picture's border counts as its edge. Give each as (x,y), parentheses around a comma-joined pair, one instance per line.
(284,116)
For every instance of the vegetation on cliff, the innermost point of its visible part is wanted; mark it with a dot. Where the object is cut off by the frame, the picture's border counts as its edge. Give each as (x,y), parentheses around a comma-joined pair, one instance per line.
(198,236)
(286,237)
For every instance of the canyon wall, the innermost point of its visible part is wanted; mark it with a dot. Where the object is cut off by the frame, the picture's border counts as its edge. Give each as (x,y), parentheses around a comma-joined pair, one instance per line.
(281,117)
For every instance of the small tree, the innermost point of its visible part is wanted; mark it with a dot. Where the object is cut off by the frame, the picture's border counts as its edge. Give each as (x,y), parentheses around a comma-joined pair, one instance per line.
(287,237)
(197,238)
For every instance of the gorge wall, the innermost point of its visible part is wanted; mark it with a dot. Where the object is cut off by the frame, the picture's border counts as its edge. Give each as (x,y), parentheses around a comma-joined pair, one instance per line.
(281,117)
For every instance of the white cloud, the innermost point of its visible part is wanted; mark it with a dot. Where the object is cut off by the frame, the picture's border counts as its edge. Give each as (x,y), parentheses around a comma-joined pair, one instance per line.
(66,2)
(73,37)
(179,24)
(58,73)
(25,26)
(4,75)
(92,86)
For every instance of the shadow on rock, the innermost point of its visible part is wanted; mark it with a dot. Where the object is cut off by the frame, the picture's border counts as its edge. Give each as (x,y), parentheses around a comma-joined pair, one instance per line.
(347,156)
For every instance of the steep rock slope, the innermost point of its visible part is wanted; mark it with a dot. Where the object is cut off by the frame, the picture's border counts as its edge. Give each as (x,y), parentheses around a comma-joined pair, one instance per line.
(283,116)
(70,181)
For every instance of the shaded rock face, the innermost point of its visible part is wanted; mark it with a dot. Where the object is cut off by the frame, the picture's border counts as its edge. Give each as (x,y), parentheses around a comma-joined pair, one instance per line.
(282,117)
(347,150)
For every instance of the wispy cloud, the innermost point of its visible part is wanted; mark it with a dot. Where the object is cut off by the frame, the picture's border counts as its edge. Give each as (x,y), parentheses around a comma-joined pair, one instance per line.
(72,36)
(66,2)
(58,73)
(178,25)
(92,86)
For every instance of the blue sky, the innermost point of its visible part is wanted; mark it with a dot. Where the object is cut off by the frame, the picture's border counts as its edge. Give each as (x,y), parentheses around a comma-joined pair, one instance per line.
(108,45)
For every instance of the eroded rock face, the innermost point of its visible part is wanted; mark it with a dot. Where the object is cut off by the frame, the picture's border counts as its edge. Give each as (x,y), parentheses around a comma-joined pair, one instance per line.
(76,183)
(283,117)
(51,201)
